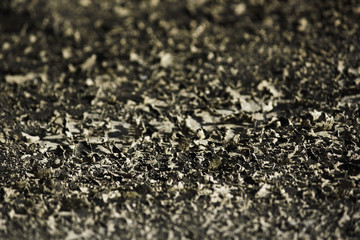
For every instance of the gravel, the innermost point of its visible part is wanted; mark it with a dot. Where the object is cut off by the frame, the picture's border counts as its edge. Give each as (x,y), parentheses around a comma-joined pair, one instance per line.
(179,119)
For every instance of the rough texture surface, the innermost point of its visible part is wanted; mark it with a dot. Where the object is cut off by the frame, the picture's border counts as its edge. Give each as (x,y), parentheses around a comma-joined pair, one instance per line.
(179,119)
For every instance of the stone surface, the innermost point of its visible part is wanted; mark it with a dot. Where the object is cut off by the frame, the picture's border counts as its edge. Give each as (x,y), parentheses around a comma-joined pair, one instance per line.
(179,119)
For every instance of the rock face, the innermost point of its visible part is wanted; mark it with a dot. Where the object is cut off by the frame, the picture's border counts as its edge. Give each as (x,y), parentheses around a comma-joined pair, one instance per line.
(179,119)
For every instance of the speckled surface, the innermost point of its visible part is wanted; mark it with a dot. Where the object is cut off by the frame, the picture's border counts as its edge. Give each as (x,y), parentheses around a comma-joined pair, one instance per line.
(179,119)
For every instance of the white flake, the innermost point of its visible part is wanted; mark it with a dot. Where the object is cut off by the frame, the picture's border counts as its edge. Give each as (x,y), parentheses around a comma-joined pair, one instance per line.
(270,87)
(21,79)
(163,126)
(71,125)
(89,63)
(200,133)
(30,138)
(166,59)
(263,191)
(121,12)
(66,52)
(86,234)
(192,124)
(229,134)
(341,66)
(249,105)
(240,9)
(315,114)
(303,24)
(134,57)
